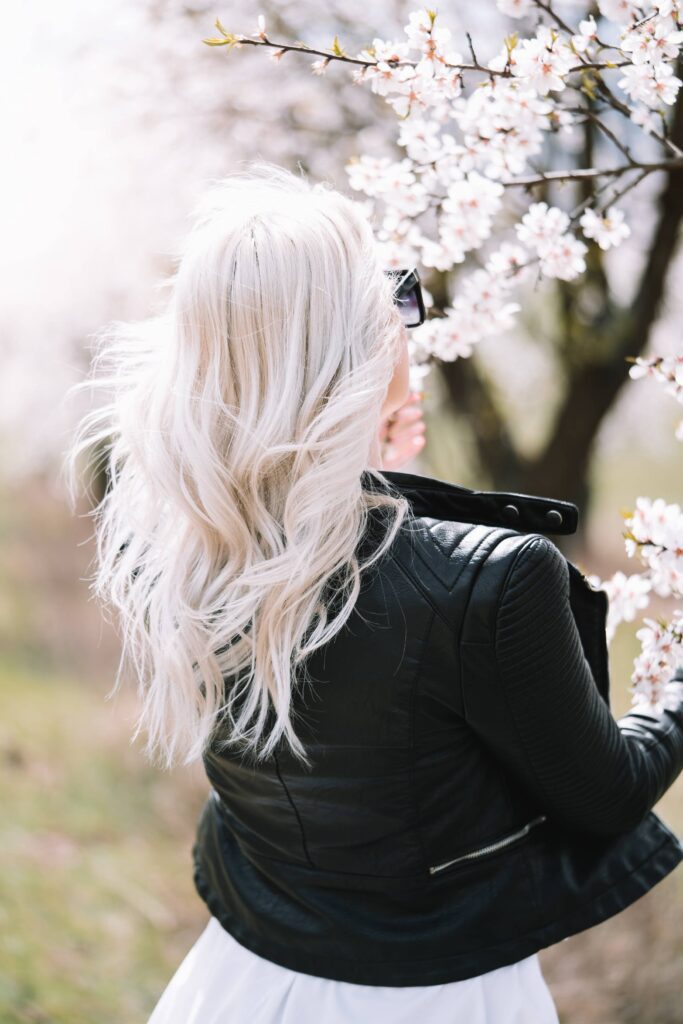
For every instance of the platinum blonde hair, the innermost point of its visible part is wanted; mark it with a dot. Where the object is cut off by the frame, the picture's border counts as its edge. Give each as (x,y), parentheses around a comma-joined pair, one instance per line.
(235,426)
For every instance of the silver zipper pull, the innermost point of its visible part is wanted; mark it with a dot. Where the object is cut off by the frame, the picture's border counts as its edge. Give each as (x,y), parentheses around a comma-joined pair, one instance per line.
(492,846)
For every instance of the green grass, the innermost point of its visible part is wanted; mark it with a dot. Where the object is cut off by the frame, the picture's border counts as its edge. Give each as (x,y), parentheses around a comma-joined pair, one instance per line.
(97,901)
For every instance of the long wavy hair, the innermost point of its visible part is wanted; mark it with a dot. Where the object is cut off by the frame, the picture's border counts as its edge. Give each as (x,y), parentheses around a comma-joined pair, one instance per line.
(234,427)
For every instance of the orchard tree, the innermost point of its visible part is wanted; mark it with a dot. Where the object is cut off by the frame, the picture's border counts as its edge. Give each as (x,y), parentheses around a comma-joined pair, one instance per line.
(480,186)
(522,166)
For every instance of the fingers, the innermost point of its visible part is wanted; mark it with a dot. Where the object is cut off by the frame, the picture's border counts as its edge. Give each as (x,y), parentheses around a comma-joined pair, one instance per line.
(406,421)
(403,433)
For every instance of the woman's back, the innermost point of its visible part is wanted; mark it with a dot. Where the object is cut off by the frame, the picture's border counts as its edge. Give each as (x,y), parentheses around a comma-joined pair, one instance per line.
(471,799)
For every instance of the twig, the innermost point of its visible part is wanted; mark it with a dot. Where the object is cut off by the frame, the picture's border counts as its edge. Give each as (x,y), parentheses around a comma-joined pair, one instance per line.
(231,40)
(603,127)
(619,193)
(583,174)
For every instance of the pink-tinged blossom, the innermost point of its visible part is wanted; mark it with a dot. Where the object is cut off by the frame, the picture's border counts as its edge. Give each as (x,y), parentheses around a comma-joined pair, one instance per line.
(382,177)
(543,61)
(482,296)
(503,123)
(502,59)
(474,197)
(653,685)
(656,529)
(666,7)
(608,230)
(384,78)
(405,91)
(459,236)
(650,84)
(652,42)
(541,225)
(654,522)
(386,50)
(622,11)
(441,256)
(420,137)
(666,370)
(509,265)
(645,118)
(626,595)
(515,8)
(366,173)
(563,258)
(468,210)
(422,32)
(398,247)
(587,35)
(448,337)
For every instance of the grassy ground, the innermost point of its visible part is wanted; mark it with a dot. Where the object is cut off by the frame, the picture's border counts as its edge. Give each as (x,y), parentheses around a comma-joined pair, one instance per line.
(97,905)
(97,901)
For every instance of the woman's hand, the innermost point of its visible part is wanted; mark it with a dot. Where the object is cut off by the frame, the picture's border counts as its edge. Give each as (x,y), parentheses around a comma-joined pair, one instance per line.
(401,434)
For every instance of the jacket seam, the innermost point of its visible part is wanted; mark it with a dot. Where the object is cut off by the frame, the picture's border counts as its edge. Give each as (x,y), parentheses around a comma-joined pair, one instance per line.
(294,808)
(413,773)
(500,772)
(417,585)
(494,646)
(458,636)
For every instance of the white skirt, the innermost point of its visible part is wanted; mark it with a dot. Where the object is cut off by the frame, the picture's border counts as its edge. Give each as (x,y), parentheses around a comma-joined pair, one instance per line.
(223,982)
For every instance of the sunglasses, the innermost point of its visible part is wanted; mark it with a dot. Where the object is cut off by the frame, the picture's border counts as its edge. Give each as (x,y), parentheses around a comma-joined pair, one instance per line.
(408,296)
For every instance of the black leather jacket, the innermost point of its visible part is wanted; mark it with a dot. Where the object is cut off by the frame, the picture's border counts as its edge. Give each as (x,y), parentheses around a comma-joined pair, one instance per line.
(472,798)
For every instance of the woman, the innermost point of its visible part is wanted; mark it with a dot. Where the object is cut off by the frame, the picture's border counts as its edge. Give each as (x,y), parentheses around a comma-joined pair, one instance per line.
(398,686)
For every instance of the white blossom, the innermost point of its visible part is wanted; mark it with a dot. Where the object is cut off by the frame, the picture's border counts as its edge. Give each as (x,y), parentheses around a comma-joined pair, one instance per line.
(515,8)
(503,122)
(653,686)
(542,225)
(563,258)
(423,34)
(626,596)
(509,264)
(365,174)
(652,42)
(645,118)
(441,256)
(543,61)
(587,34)
(420,137)
(448,337)
(383,50)
(622,11)
(650,84)
(666,7)
(608,230)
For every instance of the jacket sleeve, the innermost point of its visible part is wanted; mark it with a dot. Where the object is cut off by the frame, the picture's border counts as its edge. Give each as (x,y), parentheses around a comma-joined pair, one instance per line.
(551,726)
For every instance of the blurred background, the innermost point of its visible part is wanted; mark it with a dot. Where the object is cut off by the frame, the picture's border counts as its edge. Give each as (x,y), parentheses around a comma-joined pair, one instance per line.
(113,122)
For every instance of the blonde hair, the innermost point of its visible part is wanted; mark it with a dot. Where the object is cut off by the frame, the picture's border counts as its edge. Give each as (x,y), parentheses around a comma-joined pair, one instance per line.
(237,424)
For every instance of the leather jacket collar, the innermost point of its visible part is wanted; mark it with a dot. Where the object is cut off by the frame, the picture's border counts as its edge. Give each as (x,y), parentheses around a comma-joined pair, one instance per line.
(444,500)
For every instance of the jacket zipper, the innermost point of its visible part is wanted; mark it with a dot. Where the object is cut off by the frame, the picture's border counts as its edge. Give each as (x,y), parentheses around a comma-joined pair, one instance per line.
(492,846)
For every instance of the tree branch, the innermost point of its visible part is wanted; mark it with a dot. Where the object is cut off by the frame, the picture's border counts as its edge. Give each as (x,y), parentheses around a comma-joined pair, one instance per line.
(618,335)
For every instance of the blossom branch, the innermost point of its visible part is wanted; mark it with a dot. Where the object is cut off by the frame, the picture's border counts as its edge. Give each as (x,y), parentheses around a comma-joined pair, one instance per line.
(586,173)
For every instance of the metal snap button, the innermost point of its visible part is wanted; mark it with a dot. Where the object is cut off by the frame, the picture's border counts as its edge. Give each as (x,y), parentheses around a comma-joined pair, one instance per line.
(554,517)
(511,512)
